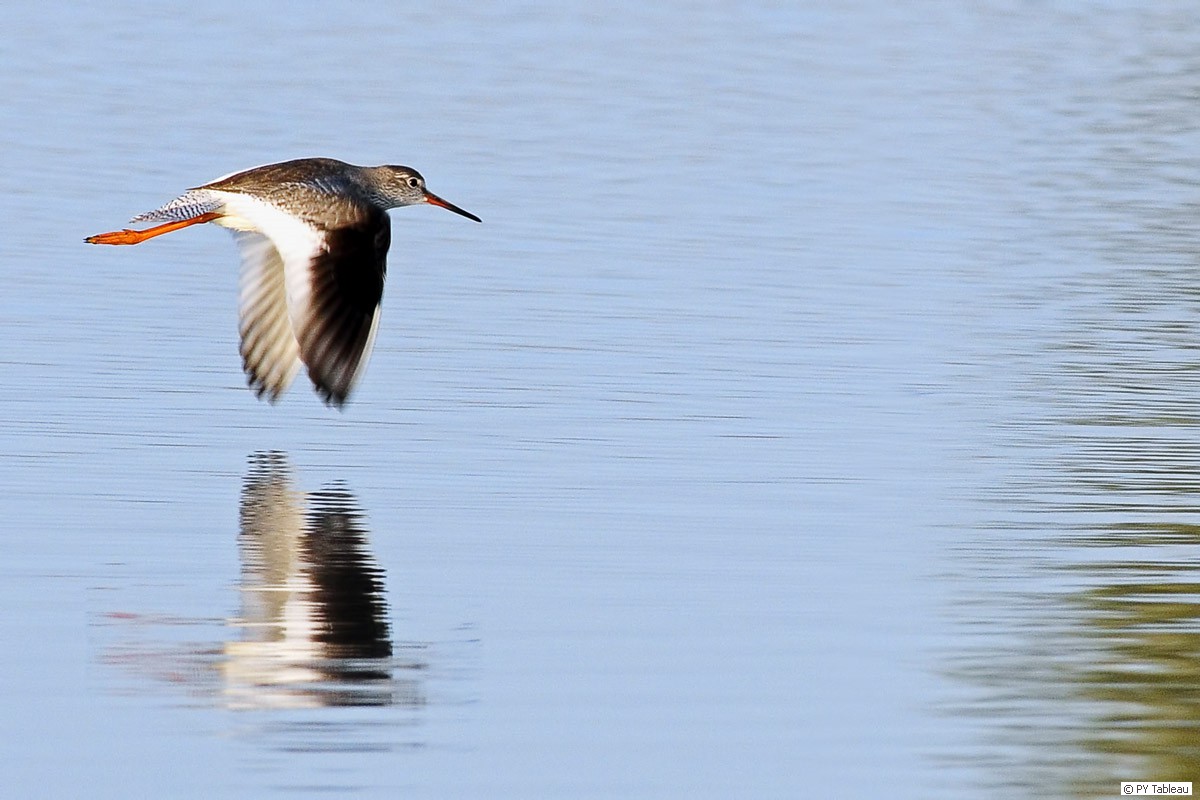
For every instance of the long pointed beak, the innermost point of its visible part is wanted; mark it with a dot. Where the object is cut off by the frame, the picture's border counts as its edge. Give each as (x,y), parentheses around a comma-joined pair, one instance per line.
(434,200)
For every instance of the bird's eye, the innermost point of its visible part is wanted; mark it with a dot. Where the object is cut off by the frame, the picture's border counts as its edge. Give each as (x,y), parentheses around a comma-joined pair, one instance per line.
(414,183)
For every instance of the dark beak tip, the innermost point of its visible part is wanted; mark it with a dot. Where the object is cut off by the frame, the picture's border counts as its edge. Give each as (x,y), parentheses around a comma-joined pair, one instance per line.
(434,200)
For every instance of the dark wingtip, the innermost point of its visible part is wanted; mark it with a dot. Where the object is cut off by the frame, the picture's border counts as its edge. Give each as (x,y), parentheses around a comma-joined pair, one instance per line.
(332,398)
(261,390)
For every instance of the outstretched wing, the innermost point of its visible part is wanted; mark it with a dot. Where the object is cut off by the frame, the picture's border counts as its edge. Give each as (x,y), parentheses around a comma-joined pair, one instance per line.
(270,353)
(327,269)
(335,320)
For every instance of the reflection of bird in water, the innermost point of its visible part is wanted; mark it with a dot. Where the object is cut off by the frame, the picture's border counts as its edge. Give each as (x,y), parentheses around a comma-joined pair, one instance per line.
(313,620)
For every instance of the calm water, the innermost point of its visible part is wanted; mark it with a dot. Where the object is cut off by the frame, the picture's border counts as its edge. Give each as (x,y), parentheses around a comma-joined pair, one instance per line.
(814,413)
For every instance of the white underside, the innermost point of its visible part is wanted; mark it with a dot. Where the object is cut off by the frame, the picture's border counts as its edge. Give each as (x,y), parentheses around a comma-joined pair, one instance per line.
(273,307)
(296,242)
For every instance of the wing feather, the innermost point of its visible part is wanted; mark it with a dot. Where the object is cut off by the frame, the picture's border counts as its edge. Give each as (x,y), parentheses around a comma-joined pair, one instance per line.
(336,327)
(270,353)
(310,291)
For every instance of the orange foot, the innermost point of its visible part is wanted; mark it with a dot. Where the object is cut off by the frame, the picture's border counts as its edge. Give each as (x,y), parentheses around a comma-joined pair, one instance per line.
(127,236)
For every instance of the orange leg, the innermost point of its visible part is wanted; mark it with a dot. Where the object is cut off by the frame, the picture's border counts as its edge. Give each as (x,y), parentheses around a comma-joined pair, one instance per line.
(128,236)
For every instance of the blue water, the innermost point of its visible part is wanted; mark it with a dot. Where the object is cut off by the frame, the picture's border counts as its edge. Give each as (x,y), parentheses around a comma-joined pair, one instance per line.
(812,415)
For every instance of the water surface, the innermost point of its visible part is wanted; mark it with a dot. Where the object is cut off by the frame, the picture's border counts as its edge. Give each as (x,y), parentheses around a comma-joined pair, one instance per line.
(811,415)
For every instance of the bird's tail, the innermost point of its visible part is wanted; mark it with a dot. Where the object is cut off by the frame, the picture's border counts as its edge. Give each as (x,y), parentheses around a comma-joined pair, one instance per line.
(188,205)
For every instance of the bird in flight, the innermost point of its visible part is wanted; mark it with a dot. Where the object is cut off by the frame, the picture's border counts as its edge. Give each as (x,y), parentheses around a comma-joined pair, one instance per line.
(314,236)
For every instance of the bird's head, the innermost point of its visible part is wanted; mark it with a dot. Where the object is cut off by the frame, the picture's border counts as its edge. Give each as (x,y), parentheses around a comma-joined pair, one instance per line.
(404,186)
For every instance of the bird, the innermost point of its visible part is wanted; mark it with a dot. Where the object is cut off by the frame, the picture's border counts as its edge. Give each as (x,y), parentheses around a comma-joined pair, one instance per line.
(313,234)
